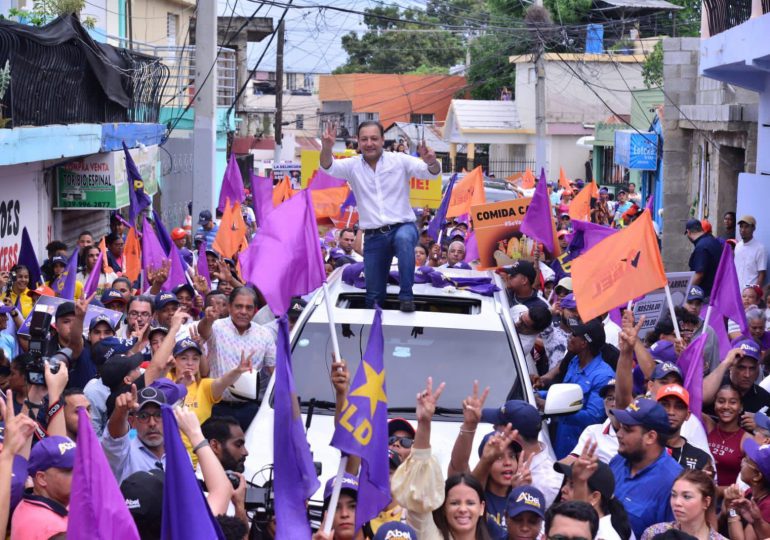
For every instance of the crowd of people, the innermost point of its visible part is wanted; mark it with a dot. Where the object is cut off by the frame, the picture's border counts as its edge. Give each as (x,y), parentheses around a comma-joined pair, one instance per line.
(639,460)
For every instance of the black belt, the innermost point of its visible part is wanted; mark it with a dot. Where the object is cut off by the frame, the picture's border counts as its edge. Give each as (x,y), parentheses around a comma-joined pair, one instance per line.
(385,228)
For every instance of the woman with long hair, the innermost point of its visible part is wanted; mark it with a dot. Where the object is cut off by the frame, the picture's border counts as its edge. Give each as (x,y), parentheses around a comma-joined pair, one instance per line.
(726,436)
(693,497)
(18,293)
(438,510)
(89,257)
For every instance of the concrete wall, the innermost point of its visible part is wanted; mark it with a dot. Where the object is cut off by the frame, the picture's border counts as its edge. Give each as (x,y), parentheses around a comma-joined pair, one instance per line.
(150,18)
(565,153)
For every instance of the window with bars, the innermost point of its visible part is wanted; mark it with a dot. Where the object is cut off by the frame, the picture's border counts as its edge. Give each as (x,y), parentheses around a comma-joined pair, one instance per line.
(172,23)
(299,121)
(421,118)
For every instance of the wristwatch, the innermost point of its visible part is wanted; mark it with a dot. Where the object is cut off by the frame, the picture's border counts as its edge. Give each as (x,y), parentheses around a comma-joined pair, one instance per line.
(15,313)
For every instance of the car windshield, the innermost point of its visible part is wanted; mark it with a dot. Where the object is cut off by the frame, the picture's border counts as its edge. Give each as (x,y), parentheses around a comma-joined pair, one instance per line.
(412,354)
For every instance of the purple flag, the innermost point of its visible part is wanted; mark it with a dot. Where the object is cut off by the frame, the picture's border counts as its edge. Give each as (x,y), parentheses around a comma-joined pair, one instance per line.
(321,180)
(284,259)
(176,274)
(437,223)
(262,197)
(725,298)
(163,237)
(64,285)
(138,199)
(98,509)
(203,265)
(186,514)
(586,235)
(92,283)
(152,251)
(28,258)
(349,201)
(232,185)
(367,405)
(538,221)
(650,202)
(471,248)
(295,476)
(691,364)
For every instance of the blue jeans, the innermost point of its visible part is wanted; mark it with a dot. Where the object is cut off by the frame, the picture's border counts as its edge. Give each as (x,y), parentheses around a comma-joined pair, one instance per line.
(379,249)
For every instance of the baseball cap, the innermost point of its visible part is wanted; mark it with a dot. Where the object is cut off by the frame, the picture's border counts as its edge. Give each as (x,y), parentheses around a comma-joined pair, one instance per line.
(749,348)
(349,484)
(118,366)
(178,233)
(204,218)
(186,344)
(525,268)
(400,424)
(157,328)
(592,331)
(111,295)
(663,369)
(297,306)
(199,238)
(758,454)
(644,412)
(663,351)
(42,290)
(520,414)
(676,391)
(59,259)
(143,492)
(748,220)
(173,391)
(602,480)
(100,319)
(336,253)
(213,253)
(565,283)
(607,387)
(695,293)
(162,299)
(762,421)
(525,499)
(395,530)
(568,302)
(183,287)
(485,439)
(65,308)
(54,451)
(693,224)
(151,394)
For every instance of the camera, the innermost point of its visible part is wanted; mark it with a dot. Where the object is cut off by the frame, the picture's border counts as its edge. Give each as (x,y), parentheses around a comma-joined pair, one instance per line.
(42,349)
(234,480)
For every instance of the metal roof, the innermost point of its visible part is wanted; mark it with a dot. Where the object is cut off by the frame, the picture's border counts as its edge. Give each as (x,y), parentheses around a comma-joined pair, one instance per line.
(485,114)
(642,4)
(415,132)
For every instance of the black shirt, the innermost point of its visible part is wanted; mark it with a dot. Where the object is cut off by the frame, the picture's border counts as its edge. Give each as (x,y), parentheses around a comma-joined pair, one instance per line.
(755,400)
(705,258)
(690,457)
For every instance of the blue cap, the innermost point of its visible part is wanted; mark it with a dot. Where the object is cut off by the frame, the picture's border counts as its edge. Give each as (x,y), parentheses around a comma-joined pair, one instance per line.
(664,369)
(521,415)
(514,445)
(336,253)
(349,483)
(185,345)
(695,293)
(568,302)
(54,451)
(395,530)
(693,224)
(100,319)
(759,455)
(749,348)
(111,295)
(164,298)
(525,499)
(663,351)
(762,421)
(184,287)
(646,413)
(59,259)
(204,218)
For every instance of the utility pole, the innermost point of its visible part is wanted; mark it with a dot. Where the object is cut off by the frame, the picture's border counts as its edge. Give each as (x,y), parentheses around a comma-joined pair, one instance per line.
(540,143)
(279,91)
(205,106)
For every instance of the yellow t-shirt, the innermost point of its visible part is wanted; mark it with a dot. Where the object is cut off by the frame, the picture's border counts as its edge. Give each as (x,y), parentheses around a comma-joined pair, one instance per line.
(78,289)
(24,301)
(200,399)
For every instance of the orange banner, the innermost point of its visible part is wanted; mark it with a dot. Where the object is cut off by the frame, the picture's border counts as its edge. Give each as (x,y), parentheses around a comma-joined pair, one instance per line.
(231,237)
(467,192)
(132,256)
(282,191)
(580,206)
(327,202)
(618,269)
(563,180)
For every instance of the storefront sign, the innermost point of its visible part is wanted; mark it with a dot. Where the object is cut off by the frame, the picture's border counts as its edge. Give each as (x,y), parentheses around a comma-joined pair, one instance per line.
(636,150)
(100,181)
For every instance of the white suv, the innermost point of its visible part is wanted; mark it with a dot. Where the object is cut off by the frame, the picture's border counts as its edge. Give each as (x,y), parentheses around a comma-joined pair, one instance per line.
(454,336)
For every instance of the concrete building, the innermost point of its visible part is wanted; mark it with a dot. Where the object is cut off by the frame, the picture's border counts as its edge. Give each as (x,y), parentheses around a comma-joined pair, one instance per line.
(292,80)
(301,114)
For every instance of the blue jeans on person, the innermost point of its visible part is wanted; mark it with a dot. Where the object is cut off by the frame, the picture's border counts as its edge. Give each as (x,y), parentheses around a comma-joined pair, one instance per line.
(379,249)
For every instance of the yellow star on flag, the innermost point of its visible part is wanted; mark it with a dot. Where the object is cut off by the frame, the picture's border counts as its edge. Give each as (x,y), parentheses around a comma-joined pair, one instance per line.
(373,388)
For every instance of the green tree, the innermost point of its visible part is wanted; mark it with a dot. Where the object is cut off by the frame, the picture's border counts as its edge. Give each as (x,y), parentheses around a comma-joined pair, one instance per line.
(652,70)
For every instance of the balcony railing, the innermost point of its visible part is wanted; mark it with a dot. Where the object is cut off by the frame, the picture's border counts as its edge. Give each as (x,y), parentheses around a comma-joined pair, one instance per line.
(722,15)
(59,75)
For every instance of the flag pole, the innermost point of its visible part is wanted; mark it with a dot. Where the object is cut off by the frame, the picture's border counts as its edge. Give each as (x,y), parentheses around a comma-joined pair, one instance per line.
(708,316)
(672,312)
(350,217)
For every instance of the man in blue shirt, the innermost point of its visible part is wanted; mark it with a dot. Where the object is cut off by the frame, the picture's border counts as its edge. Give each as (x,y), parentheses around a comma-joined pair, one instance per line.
(644,471)
(589,370)
(705,257)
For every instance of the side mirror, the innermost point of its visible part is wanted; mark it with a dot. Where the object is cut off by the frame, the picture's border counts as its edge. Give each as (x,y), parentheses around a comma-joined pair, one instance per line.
(565,398)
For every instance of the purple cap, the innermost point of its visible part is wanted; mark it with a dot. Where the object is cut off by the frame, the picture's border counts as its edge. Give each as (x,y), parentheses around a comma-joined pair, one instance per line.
(349,483)
(525,499)
(54,451)
(644,412)
(759,455)
(353,274)
(174,392)
(749,348)
(762,421)
(663,351)
(336,253)
(568,302)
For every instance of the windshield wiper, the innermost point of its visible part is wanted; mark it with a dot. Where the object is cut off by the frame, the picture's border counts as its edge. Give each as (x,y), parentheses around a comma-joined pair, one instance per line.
(441,411)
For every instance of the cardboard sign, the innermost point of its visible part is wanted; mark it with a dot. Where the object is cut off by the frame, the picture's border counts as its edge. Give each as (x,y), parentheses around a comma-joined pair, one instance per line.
(425,192)
(498,235)
(50,303)
(654,305)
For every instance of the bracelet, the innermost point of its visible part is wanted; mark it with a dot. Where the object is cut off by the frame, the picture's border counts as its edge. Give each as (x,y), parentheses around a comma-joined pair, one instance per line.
(467,430)
(204,443)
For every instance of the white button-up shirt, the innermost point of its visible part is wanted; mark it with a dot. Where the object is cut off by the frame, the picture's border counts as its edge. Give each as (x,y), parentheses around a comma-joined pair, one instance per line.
(382,195)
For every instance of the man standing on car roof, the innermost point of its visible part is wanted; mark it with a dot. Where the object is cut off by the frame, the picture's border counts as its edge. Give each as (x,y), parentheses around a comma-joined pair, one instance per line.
(380,181)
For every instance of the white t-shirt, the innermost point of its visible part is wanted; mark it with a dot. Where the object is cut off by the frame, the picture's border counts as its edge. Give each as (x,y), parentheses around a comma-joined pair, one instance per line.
(607,531)
(527,342)
(606,441)
(611,331)
(750,260)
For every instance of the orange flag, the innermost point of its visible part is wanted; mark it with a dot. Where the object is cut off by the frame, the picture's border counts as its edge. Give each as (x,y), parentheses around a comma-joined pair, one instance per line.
(563,180)
(132,256)
(580,206)
(327,202)
(106,268)
(282,191)
(466,193)
(232,231)
(620,268)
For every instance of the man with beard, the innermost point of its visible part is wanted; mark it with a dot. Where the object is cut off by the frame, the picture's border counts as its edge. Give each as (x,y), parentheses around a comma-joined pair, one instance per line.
(644,471)
(228,442)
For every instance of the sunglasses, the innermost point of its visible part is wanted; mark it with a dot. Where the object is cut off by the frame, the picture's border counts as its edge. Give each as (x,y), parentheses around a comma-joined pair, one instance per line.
(405,442)
(144,417)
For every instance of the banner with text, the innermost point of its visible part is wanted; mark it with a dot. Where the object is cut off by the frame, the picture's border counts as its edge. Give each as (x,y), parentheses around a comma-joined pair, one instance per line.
(20,207)
(654,305)
(425,192)
(498,235)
